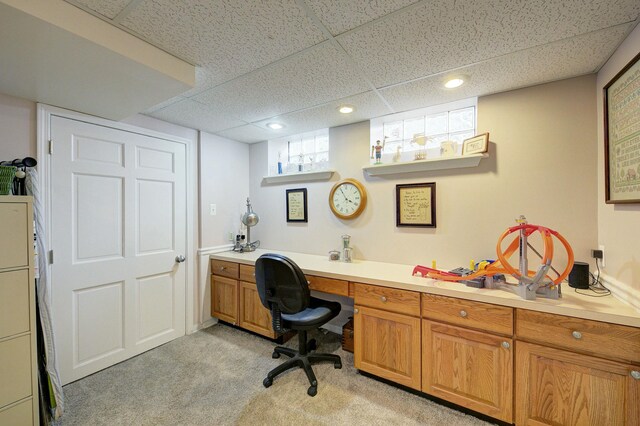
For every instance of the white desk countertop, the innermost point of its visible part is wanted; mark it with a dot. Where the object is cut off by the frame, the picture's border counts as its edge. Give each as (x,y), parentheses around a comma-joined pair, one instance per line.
(607,309)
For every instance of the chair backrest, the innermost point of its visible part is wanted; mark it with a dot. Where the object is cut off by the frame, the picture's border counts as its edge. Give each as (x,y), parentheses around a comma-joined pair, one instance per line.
(281,284)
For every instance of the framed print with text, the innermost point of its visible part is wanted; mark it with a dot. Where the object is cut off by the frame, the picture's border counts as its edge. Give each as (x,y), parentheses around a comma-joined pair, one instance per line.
(416,205)
(297,205)
(622,135)
(476,145)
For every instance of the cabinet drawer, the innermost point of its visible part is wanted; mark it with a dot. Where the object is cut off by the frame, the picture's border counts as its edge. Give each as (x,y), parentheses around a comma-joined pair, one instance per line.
(15,368)
(248,273)
(14,302)
(467,313)
(19,414)
(389,299)
(224,269)
(328,285)
(15,225)
(580,335)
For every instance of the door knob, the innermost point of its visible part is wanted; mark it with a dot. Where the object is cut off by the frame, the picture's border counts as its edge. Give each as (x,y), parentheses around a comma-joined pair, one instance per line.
(180,259)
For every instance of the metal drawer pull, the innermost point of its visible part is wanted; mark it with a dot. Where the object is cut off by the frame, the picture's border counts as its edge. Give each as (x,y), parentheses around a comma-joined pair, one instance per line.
(506,345)
(222,268)
(356,310)
(635,374)
(383,298)
(463,313)
(577,335)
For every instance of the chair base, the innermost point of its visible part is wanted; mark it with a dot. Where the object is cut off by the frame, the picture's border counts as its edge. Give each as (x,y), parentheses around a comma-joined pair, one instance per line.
(303,360)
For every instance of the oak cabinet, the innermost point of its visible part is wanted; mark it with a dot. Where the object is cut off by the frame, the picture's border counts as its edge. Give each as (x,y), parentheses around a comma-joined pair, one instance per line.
(253,315)
(235,299)
(469,368)
(387,344)
(558,387)
(224,299)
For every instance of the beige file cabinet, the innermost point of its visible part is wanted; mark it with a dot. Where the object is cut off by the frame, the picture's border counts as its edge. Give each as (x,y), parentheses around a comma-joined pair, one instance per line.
(18,373)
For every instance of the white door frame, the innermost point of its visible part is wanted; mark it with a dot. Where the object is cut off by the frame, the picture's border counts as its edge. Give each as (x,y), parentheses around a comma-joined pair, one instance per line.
(45,112)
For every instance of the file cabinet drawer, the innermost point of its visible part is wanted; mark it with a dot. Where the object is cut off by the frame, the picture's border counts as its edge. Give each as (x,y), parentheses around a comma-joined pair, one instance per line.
(467,313)
(389,299)
(15,369)
(580,335)
(14,302)
(225,269)
(19,414)
(13,217)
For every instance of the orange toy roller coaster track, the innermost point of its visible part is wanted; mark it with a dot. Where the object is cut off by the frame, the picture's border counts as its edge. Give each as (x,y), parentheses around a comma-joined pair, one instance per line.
(502,265)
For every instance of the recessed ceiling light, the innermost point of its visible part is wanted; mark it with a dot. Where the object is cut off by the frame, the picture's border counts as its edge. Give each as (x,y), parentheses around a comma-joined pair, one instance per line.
(452,83)
(346,109)
(275,126)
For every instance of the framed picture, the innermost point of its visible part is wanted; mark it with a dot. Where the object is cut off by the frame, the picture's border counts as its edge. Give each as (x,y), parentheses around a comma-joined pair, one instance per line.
(622,135)
(297,205)
(476,145)
(416,204)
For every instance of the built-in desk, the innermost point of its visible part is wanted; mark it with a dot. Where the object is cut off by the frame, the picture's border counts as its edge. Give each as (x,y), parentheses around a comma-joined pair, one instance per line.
(487,350)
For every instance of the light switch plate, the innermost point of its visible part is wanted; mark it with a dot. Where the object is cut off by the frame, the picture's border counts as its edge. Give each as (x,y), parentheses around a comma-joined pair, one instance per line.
(213,210)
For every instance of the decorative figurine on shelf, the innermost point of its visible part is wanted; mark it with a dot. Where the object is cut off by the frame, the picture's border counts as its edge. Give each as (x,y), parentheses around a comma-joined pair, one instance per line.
(279,163)
(397,156)
(300,162)
(377,150)
(420,140)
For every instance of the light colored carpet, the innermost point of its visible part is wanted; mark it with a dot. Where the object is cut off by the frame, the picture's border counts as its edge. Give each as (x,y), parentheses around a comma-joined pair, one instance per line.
(214,377)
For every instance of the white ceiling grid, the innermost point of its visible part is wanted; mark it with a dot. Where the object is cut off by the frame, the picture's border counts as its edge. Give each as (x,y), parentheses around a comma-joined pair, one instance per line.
(271,60)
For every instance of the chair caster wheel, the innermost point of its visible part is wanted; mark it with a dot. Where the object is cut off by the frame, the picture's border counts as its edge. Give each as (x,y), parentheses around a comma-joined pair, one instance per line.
(275,355)
(312,345)
(312,391)
(337,365)
(267,382)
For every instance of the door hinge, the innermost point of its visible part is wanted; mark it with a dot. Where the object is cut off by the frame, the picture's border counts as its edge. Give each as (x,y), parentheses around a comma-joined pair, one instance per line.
(50,147)
(50,257)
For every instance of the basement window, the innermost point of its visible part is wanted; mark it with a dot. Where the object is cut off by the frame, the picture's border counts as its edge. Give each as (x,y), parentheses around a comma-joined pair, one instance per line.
(303,152)
(420,134)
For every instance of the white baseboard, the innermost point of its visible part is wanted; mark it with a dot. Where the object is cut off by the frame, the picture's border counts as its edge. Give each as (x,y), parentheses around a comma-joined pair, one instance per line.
(622,291)
(205,324)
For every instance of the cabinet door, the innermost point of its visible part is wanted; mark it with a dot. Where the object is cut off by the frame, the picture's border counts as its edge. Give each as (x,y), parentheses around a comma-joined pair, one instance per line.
(224,299)
(253,315)
(387,345)
(468,368)
(556,387)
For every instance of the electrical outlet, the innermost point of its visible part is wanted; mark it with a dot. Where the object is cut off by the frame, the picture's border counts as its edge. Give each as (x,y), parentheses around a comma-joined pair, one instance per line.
(213,210)
(601,248)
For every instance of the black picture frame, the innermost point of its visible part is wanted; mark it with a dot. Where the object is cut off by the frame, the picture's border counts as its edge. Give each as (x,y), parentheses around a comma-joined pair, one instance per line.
(297,205)
(622,181)
(416,205)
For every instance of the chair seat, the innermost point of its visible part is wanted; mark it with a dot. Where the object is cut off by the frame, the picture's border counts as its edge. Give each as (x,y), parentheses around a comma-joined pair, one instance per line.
(320,312)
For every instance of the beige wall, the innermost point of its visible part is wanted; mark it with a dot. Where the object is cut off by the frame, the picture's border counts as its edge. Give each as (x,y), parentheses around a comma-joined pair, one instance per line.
(224,181)
(618,224)
(17,128)
(542,164)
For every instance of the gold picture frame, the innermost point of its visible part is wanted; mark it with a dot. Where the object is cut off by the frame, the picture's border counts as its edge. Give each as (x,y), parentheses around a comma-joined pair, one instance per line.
(416,205)
(476,145)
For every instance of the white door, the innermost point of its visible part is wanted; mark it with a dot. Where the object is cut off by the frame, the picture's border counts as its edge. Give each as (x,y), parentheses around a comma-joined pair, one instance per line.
(118,213)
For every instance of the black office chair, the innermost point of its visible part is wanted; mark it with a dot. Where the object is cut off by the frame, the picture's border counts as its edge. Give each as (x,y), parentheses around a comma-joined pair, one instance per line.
(284,290)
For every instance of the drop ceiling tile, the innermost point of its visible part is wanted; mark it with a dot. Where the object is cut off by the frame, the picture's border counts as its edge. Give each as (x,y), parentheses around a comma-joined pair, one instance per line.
(563,59)
(313,77)
(440,35)
(228,37)
(340,16)
(367,105)
(196,116)
(108,8)
(247,133)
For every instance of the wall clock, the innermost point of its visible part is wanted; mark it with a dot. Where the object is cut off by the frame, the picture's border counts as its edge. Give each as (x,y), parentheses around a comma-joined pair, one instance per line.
(347,199)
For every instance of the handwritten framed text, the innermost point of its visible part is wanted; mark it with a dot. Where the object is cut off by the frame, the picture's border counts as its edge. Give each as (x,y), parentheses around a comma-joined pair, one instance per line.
(416,204)
(622,135)
(476,145)
(297,205)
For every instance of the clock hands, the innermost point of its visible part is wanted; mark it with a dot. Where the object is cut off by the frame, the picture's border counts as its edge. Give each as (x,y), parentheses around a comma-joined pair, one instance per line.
(345,197)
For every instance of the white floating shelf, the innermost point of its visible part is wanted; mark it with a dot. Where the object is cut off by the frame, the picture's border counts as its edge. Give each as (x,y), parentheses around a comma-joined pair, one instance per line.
(458,162)
(299,177)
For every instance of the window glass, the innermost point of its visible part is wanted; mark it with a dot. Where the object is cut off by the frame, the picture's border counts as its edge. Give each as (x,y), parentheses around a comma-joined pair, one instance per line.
(462,119)
(437,123)
(393,131)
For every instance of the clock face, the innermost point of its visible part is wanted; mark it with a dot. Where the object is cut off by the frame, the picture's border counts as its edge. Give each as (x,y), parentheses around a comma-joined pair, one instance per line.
(347,199)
